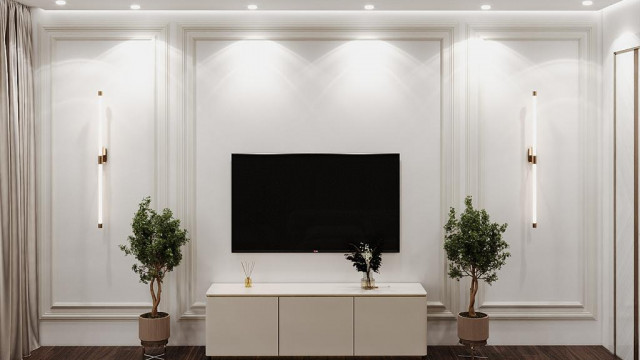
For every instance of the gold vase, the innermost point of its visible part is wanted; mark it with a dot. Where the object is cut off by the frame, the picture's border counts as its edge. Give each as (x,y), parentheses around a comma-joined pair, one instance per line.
(247,282)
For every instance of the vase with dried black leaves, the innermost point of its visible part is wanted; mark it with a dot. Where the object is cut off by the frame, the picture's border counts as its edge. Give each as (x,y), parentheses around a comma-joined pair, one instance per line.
(366,258)
(475,249)
(156,244)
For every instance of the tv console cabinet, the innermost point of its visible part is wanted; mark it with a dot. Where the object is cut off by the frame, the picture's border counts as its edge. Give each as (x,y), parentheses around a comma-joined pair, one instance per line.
(318,319)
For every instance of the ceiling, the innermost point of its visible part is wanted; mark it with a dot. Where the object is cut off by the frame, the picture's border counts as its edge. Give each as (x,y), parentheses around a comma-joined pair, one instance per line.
(456,5)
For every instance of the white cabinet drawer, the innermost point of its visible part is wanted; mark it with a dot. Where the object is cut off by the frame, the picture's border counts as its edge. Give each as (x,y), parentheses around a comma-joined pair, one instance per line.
(316,326)
(242,326)
(386,326)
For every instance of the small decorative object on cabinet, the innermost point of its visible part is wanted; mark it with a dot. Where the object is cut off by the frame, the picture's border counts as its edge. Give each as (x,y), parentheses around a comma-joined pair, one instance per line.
(366,258)
(155,243)
(474,248)
(247,267)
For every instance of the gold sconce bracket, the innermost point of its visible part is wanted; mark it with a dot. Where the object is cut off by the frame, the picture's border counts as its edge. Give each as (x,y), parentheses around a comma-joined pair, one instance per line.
(533,159)
(102,158)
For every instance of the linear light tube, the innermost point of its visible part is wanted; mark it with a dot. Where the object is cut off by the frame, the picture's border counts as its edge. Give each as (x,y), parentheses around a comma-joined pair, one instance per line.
(533,159)
(102,158)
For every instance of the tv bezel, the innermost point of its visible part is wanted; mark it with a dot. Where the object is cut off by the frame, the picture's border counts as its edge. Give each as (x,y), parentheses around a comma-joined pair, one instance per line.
(393,251)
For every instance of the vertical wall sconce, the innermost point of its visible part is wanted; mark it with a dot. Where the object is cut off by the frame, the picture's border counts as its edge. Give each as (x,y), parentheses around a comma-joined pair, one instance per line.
(532,157)
(102,157)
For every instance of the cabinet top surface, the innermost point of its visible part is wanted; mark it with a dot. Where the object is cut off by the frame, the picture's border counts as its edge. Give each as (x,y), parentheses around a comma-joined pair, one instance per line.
(315,289)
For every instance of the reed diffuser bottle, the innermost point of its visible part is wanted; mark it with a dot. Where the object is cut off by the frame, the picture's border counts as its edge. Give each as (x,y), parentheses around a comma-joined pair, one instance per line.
(247,267)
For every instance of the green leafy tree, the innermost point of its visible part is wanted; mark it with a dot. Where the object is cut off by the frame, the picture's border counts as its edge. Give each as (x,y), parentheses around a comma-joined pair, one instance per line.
(474,248)
(155,243)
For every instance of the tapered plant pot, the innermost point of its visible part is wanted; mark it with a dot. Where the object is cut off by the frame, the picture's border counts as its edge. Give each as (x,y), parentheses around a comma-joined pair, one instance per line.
(154,332)
(473,329)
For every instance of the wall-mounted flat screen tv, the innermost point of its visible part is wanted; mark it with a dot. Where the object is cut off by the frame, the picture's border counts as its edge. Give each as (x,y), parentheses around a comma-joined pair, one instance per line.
(314,202)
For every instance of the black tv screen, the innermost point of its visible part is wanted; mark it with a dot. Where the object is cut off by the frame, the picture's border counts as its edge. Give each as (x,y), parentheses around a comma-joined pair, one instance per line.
(314,202)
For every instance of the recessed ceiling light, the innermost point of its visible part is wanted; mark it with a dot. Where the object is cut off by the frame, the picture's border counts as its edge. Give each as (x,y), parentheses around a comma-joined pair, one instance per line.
(369,7)
(252,7)
(587,3)
(135,7)
(485,7)
(61,2)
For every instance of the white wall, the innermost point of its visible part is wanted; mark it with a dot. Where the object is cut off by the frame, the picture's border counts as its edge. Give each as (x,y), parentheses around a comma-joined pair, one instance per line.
(449,91)
(621,30)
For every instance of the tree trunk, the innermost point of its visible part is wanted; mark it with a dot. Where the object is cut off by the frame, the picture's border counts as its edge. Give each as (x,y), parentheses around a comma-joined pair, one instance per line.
(158,297)
(472,296)
(154,310)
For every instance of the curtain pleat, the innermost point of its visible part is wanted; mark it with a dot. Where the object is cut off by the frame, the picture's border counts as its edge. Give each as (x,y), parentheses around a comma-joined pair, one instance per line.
(18,280)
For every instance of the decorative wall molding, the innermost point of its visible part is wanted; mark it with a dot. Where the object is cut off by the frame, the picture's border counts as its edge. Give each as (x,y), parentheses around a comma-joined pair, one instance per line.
(48,36)
(584,35)
(189,303)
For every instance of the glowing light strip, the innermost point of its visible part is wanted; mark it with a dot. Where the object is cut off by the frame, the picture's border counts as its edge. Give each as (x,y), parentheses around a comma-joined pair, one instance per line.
(534,161)
(101,159)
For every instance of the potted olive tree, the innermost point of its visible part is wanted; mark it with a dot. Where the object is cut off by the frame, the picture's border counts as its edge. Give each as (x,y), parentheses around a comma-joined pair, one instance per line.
(155,243)
(475,249)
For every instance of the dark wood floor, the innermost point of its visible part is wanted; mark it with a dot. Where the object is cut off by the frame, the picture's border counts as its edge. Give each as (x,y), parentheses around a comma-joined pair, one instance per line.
(435,353)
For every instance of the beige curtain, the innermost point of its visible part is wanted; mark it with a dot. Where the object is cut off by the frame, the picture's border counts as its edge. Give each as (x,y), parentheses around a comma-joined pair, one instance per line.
(18,281)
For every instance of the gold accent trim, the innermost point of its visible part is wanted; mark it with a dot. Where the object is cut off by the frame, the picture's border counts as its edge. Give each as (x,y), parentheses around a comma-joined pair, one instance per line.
(626,50)
(102,158)
(533,159)
(636,220)
(615,205)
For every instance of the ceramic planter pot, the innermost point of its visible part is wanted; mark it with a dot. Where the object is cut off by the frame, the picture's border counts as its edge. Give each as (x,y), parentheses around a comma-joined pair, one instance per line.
(154,332)
(473,329)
